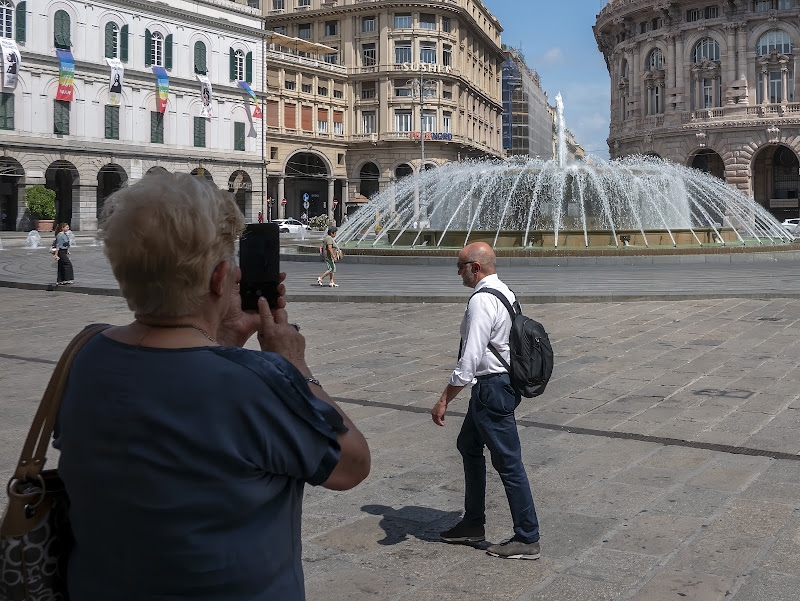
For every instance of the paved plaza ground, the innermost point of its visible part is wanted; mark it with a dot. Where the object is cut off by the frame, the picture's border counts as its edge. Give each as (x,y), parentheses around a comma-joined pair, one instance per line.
(628,451)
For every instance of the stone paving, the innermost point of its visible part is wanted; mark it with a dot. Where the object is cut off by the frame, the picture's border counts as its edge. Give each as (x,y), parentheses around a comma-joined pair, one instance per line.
(621,519)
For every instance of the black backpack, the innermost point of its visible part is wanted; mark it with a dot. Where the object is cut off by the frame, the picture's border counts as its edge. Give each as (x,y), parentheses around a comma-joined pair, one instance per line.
(531,352)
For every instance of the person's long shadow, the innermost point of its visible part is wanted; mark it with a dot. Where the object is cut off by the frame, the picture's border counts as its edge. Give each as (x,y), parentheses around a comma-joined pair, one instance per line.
(422,523)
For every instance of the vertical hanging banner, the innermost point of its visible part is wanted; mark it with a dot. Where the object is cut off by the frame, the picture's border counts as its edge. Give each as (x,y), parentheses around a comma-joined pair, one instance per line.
(205,94)
(246,87)
(163,88)
(115,82)
(66,76)
(11,63)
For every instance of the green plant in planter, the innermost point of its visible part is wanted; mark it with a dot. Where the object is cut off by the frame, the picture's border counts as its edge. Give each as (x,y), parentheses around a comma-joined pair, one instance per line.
(319,223)
(41,202)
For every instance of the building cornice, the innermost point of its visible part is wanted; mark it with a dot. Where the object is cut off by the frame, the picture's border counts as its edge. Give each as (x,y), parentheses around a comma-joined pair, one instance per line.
(142,7)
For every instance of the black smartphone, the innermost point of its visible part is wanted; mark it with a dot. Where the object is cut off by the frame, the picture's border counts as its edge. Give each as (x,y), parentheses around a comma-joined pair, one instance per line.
(259,259)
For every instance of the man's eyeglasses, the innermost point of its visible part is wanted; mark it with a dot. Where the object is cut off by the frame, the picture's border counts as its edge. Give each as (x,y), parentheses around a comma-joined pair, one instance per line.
(464,264)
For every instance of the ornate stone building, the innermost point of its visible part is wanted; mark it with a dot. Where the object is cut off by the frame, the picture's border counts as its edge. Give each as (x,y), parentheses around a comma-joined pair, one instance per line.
(711,85)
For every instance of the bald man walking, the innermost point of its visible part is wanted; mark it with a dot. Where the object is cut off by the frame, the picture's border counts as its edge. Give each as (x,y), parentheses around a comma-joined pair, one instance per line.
(490,418)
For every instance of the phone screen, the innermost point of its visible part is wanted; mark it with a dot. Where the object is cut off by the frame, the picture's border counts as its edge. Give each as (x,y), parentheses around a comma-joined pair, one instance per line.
(259,259)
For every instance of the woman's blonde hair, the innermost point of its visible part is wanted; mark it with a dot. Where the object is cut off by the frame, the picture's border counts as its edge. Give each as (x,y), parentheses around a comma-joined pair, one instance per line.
(164,236)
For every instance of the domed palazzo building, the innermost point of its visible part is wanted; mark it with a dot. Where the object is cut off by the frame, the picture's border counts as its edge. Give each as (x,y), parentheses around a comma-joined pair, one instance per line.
(711,85)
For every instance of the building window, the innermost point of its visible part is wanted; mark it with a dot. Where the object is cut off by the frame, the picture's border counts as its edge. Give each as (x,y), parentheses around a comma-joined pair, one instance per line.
(273,152)
(784,4)
(6,110)
(238,65)
(403,121)
(332,58)
(305,88)
(775,40)
(429,121)
(157,49)
(322,91)
(402,89)
(6,19)
(200,65)
(693,15)
(368,55)
(199,132)
(775,87)
(322,127)
(427,22)
(761,6)
(303,2)
(446,24)
(304,31)
(238,135)
(368,123)
(655,62)
(290,84)
(338,128)
(655,100)
(447,93)
(111,40)
(61,30)
(402,21)
(253,3)
(706,49)
(112,122)
(367,90)
(61,117)
(338,93)
(447,55)
(427,52)
(368,24)
(402,52)
(331,28)
(156,127)
(280,29)
(447,122)
(278,4)
(712,12)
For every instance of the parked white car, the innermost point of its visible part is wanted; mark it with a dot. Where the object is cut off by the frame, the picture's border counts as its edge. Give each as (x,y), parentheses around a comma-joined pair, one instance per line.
(792,226)
(290,226)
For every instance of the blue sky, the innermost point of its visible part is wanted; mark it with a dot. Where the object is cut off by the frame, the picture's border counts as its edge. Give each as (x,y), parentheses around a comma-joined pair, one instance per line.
(558,42)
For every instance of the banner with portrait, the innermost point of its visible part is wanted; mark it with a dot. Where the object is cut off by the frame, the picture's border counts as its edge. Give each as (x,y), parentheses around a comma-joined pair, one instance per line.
(163,88)
(66,75)
(115,81)
(11,63)
(205,96)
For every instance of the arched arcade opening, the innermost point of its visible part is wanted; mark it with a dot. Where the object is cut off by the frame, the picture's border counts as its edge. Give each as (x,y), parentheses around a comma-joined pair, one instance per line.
(64,179)
(11,174)
(776,181)
(307,182)
(241,186)
(110,178)
(708,161)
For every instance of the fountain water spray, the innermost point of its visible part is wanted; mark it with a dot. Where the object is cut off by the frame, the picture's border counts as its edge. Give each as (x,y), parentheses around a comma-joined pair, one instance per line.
(34,240)
(561,135)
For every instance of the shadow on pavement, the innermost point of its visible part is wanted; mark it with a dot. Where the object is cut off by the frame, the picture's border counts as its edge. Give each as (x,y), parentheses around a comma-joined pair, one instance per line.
(423,523)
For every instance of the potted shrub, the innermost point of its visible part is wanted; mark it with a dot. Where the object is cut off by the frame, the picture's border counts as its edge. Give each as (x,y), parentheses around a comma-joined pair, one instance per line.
(42,205)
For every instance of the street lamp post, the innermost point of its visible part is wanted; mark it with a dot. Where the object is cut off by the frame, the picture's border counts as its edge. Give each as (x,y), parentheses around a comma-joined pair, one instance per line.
(419,87)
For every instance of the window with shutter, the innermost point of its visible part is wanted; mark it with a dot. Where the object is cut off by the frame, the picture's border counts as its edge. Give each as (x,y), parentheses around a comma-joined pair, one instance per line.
(148,48)
(232,57)
(272,113)
(290,116)
(200,58)
(123,44)
(6,110)
(112,123)
(6,14)
(238,135)
(61,30)
(248,61)
(199,132)
(61,117)
(112,40)
(168,52)
(21,21)
(156,127)
(306,117)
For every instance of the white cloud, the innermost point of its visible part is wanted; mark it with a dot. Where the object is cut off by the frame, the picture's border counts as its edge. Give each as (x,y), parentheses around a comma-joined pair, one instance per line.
(553,57)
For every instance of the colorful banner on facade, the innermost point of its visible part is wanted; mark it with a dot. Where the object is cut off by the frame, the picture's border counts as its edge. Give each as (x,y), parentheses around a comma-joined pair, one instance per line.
(163,88)
(115,82)
(205,94)
(246,87)
(66,77)
(11,63)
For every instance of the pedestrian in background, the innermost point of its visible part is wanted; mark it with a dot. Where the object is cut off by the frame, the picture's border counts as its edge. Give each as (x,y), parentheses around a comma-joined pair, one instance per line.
(331,254)
(490,418)
(65,273)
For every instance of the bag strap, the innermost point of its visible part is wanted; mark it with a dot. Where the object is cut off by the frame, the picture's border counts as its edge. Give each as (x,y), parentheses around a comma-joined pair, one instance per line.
(34,451)
(511,312)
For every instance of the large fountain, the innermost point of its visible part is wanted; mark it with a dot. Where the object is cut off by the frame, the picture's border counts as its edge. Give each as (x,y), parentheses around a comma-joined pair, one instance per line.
(531,203)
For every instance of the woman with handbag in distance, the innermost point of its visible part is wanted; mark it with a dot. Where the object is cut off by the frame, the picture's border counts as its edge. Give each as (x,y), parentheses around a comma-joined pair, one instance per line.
(61,254)
(184,456)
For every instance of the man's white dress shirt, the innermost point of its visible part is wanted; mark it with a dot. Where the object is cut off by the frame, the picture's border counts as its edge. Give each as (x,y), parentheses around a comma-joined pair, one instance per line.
(485,320)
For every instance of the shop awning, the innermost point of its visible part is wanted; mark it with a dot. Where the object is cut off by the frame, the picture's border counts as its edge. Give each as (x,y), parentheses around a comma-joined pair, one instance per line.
(298,44)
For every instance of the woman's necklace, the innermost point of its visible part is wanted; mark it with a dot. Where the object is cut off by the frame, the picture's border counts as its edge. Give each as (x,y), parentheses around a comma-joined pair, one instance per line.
(180,325)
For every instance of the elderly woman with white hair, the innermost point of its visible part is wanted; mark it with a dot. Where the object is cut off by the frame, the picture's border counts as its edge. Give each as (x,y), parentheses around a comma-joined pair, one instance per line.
(183,454)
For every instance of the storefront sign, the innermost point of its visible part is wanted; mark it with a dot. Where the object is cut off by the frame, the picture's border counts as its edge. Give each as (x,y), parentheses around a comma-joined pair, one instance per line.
(234,186)
(431,135)
(429,67)
(783,203)
(66,76)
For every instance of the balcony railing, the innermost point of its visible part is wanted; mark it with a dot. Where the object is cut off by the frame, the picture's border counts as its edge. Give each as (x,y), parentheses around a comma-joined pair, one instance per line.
(304,61)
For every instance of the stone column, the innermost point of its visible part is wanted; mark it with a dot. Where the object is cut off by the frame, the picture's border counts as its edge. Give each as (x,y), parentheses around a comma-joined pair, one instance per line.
(672,62)
(635,76)
(679,73)
(741,51)
(698,92)
(331,182)
(84,207)
(281,196)
(731,54)
(345,196)
(765,87)
(715,82)
(784,85)
(648,109)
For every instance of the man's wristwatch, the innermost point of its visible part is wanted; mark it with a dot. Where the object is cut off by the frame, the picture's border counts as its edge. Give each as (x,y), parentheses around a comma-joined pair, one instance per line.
(313,381)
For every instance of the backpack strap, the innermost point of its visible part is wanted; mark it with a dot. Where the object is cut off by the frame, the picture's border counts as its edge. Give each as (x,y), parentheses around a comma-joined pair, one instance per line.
(511,312)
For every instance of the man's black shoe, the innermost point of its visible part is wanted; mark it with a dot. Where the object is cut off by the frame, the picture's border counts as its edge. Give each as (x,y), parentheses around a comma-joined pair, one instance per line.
(462,533)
